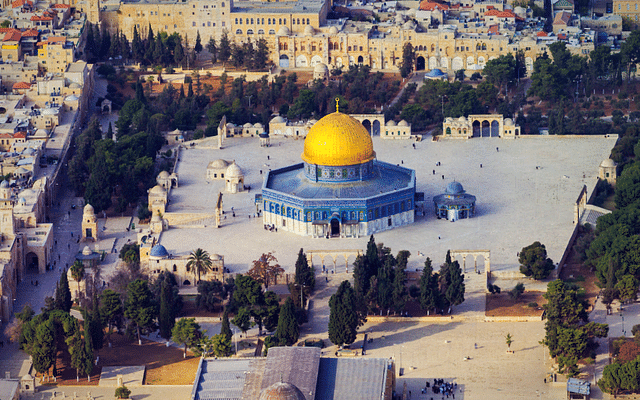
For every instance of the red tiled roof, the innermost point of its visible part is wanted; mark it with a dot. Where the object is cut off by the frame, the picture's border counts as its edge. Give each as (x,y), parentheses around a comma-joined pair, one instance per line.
(427,5)
(20,3)
(541,34)
(30,33)
(53,39)
(21,85)
(19,135)
(40,18)
(61,6)
(491,12)
(493,29)
(13,35)
(506,14)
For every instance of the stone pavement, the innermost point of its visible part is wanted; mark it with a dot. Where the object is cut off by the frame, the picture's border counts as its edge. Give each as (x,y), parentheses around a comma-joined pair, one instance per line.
(517,203)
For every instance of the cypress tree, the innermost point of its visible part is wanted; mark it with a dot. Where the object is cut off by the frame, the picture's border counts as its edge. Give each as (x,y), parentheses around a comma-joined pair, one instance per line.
(63,294)
(198,46)
(87,366)
(97,328)
(343,317)
(225,329)
(287,332)
(166,319)
(304,274)
(428,287)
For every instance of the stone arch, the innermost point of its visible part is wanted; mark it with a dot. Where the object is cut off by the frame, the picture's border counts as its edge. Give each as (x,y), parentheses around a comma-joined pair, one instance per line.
(470,62)
(284,61)
(360,60)
(477,132)
(31,259)
(301,61)
(315,60)
(444,62)
(375,129)
(367,124)
(352,61)
(481,61)
(486,128)
(457,64)
(420,63)
(339,62)
(495,129)
(433,62)
(186,282)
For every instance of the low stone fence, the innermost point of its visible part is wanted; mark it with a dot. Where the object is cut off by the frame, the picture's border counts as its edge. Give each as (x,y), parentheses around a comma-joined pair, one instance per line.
(434,318)
(531,318)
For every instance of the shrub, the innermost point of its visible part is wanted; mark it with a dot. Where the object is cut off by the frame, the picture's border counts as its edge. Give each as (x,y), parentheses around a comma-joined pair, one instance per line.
(533,304)
(122,392)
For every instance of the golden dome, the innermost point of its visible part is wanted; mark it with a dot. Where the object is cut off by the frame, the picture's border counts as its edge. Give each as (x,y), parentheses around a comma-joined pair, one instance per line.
(337,140)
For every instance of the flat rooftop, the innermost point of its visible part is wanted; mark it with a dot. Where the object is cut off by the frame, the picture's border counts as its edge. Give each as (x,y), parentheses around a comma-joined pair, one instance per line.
(526,191)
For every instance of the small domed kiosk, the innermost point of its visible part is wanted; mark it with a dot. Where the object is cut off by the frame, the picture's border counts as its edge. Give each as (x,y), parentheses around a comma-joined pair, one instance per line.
(340,189)
(454,204)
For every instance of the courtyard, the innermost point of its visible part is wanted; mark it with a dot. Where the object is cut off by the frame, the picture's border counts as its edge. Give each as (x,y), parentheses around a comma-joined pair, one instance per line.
(526,191)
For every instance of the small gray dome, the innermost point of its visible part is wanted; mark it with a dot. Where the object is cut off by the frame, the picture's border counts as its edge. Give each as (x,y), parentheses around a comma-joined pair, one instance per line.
(277,120)
(454,188)
(281,391)
(4,184)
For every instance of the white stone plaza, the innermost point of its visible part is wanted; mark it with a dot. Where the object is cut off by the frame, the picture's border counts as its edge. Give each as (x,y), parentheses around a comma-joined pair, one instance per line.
(526,190)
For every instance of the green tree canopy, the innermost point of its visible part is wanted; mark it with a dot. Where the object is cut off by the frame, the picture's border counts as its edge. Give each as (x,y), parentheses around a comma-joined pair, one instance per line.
(287,331)
(186,332)
(534,261)
(139,307)
(343,316)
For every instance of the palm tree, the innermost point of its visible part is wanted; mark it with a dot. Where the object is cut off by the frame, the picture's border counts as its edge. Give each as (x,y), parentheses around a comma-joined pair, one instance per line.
(77,272)
(200,261)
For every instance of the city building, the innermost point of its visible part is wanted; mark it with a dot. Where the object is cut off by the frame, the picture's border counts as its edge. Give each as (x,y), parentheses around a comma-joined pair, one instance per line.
(340,189)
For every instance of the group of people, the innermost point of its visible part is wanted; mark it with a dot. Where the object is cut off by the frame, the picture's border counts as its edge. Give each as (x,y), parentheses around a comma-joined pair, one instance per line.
(271,228)
(439,386)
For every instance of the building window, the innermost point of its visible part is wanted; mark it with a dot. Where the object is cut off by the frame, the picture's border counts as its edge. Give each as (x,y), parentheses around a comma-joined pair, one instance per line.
(249,31)
(251,21)
(307,21)
(208,23)
(238,31)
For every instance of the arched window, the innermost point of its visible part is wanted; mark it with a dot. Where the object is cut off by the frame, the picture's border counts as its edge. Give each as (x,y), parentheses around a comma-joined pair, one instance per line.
(307,21)
(175,268)
(238,31)
(260,31)
(268,21)
(279,21)
(251,21)
(249,31)
(272,32)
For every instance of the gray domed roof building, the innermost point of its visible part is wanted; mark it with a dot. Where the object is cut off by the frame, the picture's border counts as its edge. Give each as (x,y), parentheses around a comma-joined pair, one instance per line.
(455,203)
